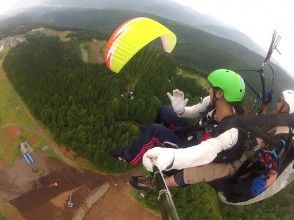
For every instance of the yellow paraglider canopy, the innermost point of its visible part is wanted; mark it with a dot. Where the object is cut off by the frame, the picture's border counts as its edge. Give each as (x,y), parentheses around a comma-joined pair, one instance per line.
(132,36)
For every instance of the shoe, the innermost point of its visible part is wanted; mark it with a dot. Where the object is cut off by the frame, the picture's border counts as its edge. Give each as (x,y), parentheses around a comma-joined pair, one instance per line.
(117,154)
(143,183)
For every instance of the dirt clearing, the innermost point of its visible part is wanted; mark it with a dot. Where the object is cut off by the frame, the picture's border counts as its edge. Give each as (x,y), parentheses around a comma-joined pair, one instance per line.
(93,52)
(117,204)
(45,197)
(12,132)
(10,212)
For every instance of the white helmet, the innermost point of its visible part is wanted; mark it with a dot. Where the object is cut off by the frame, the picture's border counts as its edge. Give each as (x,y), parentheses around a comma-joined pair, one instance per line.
(289,98)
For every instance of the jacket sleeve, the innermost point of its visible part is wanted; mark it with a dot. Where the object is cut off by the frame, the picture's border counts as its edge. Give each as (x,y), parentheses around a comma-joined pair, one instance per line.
(205,152)
(195,110)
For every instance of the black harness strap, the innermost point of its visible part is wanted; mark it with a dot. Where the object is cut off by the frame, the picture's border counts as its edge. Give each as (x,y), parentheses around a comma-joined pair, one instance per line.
(249,123)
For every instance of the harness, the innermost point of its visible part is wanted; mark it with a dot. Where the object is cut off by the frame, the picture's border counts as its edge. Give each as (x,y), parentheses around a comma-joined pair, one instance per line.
(264,160)
(270,158)
(202,131)
(275,157)
(208,128)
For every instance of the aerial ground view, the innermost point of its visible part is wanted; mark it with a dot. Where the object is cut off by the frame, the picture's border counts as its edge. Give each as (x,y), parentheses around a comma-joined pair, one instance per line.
(154,109)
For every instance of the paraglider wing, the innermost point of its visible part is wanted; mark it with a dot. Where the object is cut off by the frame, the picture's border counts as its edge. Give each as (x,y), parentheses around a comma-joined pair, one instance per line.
(132,36)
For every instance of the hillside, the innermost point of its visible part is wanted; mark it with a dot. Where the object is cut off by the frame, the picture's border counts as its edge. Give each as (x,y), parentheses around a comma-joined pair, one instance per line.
(82,107)
(233,35)
(81,102)
(78,95)
(195,48)
(170,10)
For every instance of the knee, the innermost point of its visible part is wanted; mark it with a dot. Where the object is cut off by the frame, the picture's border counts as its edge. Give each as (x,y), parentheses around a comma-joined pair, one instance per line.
(164,109)
(155,127)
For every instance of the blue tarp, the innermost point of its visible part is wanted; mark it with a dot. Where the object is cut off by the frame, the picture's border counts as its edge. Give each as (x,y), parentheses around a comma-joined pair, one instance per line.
(28,158)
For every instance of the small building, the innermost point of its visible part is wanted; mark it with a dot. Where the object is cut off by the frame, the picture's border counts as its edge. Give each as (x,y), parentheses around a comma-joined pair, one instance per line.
(26,150)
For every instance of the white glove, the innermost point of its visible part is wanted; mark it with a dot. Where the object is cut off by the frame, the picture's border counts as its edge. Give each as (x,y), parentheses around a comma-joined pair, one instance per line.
(177,101)
(163,158)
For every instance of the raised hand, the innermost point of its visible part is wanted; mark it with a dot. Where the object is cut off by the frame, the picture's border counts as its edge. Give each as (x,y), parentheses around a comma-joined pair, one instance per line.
(178,101)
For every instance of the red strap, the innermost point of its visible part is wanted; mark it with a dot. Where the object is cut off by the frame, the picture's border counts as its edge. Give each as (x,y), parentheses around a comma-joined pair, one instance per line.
(206,136)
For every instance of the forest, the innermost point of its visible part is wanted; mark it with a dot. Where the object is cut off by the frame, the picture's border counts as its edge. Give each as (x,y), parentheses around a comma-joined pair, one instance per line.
(81,105)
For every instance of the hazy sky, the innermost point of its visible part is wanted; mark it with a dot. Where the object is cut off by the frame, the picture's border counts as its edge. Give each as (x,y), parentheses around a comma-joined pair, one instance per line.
(7,5)
(256,18)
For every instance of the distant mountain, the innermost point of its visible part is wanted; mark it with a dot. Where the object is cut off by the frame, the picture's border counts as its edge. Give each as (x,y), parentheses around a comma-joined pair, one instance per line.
(170,10)
(195,47)
(234,35)
(162,8)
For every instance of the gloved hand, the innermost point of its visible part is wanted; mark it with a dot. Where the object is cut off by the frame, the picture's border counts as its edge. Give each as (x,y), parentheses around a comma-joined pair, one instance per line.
(177,101)
(163,158)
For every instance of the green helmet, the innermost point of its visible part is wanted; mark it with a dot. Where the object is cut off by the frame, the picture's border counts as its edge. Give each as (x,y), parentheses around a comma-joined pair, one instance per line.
(230,82)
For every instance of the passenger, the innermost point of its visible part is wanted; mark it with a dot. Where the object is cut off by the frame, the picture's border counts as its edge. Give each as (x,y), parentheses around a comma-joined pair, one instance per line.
(175,159)
(226,92)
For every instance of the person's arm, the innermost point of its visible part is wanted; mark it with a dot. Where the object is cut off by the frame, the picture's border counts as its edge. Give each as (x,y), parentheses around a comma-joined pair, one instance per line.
(195,110)
(203,153)
(179,103)
(272,176)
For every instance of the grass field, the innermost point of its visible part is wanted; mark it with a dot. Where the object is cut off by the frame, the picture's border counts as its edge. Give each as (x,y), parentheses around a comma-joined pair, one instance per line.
(8,151)
(190,74)
(61,34)
(94,51)
(15,123)
(14,112)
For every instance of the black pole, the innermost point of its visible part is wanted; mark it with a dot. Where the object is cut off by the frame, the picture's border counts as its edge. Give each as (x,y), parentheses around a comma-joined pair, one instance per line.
(168,209)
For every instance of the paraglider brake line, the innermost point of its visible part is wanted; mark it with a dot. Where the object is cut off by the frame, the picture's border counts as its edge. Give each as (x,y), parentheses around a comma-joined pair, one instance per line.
(273,46)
